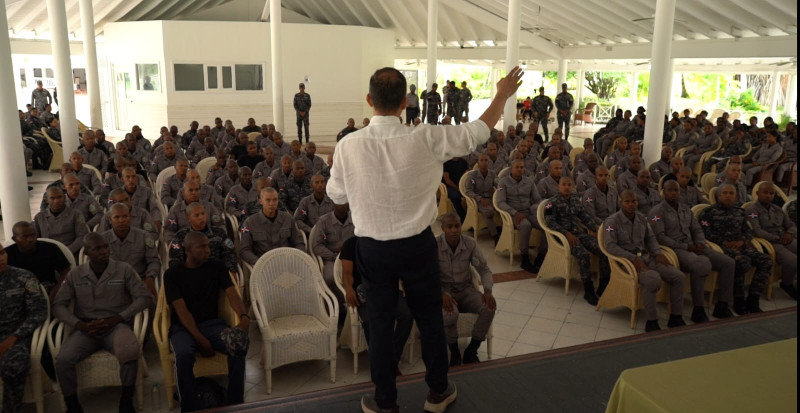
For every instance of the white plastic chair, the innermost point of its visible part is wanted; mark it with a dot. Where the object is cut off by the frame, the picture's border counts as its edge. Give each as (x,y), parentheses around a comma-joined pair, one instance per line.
(160,179)
(64,250)
(204,165)
(297,314)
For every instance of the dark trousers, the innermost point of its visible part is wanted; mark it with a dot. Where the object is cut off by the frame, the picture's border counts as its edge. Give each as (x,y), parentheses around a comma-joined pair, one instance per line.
(563,122)
(302,123)
(185,348)
(402,329)
(414,260)
(411,114)
(455,198)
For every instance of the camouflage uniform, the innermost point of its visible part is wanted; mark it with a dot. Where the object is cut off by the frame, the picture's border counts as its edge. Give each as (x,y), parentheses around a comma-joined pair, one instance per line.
(23,308)
(294,192)
(222,248)
(451,100)
(302,103)
(722,224)
(769,222)
(464,97)
(564,102)
(791,210)
(433,100)
(542,106)
(41,98)
(563,215)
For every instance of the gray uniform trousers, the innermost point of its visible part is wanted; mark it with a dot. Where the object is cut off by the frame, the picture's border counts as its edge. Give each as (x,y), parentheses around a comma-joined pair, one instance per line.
(488,215)
(469,300)
(699,266)
(14,366)
(119,341)
(525,227)
(786,255)
(650,281)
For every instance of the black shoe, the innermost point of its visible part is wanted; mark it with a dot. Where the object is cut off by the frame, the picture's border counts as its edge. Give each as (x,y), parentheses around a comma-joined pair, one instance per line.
(752,303)
(676,320)
(126,405)
(438,402)
(471,352)
(499,230)
(30,188)
(589,294)
(527,266)
(699,315)
(537,263)
(789,290)
(651,325)
(739,306)
(28,174)
(369,405)
(496,239)
(455,355)
(721,310)
(601,286)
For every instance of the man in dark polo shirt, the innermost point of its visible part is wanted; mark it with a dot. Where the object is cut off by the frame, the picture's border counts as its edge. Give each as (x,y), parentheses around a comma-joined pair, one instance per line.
(452,172)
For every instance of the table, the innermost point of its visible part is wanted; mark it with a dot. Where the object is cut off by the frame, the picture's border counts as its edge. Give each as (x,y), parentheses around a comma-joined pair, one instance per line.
(760,378)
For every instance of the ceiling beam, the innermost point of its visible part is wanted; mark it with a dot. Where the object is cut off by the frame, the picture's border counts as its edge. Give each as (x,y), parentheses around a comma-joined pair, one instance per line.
(33,12)
(140,10)
(788,7)
(265,12)
(753,47)
(378,18)
(562,29)
(200,5)
(122,8)
(726,14)
(361,17)
(770,14)
(399,27)
(592,24)
(546,48)
(413,22)
(321,17)
(466,23)
(183,9)
(624,18)
(336,11)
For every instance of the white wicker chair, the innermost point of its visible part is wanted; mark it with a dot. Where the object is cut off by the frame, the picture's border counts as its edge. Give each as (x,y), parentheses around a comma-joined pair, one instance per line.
(204,165)
(310,248)
(160,179)
(101,369)
(36,383)
(297,314)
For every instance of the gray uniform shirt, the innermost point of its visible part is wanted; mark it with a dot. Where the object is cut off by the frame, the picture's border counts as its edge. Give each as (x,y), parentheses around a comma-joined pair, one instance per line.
(648,198)
(741,190)
(207,193)
(263,169)
(584,181)
(170,189)
(659,169)
(547,187)
(676,229)
(279,179)
(143,197)
(118,291)
(625,181)
(769,222)
(238,197)
(139,219)
(96,158)
(224,184)
(330,235)
(68,227)
(600,205)
(89,180)
(768,154)
(177,218)
(454,265)
(137,250)
(309,210)
(690,196)
(160,163)
(260,234)
(479,186)
(88,207)
(518,196)
(626,238)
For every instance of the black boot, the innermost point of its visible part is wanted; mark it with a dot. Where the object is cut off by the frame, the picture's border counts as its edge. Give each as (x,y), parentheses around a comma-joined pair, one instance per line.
(496,239)
(752,303)
(73,406)
(789,288)
(526,264)
(471,352)
(455,355)
(699,315)
(537,263)
(739,306)
(589,295)
(126,400)
(721,310)
(676,320)
(601,285)
(651,325)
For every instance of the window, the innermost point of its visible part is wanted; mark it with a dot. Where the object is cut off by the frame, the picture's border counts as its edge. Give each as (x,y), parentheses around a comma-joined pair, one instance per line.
(23,81)
(212,77)
(249,77)
(189,77)
(48,73)
(227,77)
(37,72)
(147,77)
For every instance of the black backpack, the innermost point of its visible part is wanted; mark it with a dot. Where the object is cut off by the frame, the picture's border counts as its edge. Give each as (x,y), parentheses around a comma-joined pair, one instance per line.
(209,393)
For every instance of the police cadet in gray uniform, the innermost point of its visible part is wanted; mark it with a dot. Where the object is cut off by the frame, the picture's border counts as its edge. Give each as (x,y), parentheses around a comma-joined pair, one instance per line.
(163,160)
(627,180)
(254,206)
(585,180)
(767,153)
(207,192)
(646,196)
(457,254)
(564,102)
(222,247)
(542,106)
(172,185)
(314,164)
(563,213)
(242,193)
(61,223)
(662,167)
(297,187)
(133,246)
(177,217)
(733,177)
(313,206)
(517,195)
(141,195)
(480,187)
(548,186)
(332,230)
(279,176)
(268,230)
(85,204)
(279,146)
(690,195)
(675,227)
(725,223)
(92,154)
(107,294)
(265,167)
(600,201)
(628,236)
(139,217)
(302,104)
(87,177)
(771,223)
(23,308)
(230,178)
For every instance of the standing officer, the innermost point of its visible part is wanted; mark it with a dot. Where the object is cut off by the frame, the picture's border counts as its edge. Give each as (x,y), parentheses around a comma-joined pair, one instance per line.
(725,223)
(302,104)
(564,102)
(412,106)
(542,106)
(40,97)
(600,201)
(23,308)
(517,195)
(433,101)
(675,227)
(457,254)
(61,223)
(106,294)
(564,213)
(480,187)
(222,248)
(771,223)
(270,229)
(628,236)
(464,97)
(133,246)
(313,206)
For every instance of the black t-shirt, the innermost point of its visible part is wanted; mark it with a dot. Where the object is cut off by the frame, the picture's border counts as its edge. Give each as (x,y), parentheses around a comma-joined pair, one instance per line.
(46,263)
(199,288)
(456,168)
(238,151)
(348,253)
(249,161)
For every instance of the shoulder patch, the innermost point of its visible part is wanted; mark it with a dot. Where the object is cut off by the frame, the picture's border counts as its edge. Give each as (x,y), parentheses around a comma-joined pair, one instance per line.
(147,226)
(753,215)
(228,243)
(215,218)
(92,208)
(149,243)
(32,285)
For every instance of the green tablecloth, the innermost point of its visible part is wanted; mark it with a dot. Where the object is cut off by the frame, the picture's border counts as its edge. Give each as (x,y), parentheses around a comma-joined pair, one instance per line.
(752,379)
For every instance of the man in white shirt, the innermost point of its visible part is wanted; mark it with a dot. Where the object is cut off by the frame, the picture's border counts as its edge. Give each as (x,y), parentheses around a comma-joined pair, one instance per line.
(393,221)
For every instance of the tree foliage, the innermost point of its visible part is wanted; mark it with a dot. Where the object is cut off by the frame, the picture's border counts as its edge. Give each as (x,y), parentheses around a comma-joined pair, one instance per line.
(603,84)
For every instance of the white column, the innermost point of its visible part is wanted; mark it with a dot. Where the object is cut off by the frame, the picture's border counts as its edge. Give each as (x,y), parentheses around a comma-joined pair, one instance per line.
(633,82)
(512,59)
(433,30)
(90,55)
(579,95)
(659,83)
(57,15)
(13,194)
(277,63)
(791,99)
(670,85)
(493,76)
(562,74)
(774,93)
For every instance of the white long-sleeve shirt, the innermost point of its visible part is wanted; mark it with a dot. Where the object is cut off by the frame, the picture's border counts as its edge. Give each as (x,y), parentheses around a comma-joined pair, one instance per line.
(389,173)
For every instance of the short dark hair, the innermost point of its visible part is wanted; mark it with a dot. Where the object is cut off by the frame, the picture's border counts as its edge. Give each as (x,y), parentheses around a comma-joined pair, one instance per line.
(387,88)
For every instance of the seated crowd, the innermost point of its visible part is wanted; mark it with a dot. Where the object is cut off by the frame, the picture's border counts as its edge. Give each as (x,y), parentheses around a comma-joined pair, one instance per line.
(232,196)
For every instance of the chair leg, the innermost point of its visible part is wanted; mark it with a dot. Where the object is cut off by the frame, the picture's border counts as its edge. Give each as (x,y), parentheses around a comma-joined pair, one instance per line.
(268,381)
(633,319)
(355,362)
(566,285)
(36,381)
(333,370)
(489,348)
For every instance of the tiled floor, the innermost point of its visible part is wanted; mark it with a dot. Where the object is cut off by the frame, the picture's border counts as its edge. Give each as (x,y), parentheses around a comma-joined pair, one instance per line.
(532,316)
